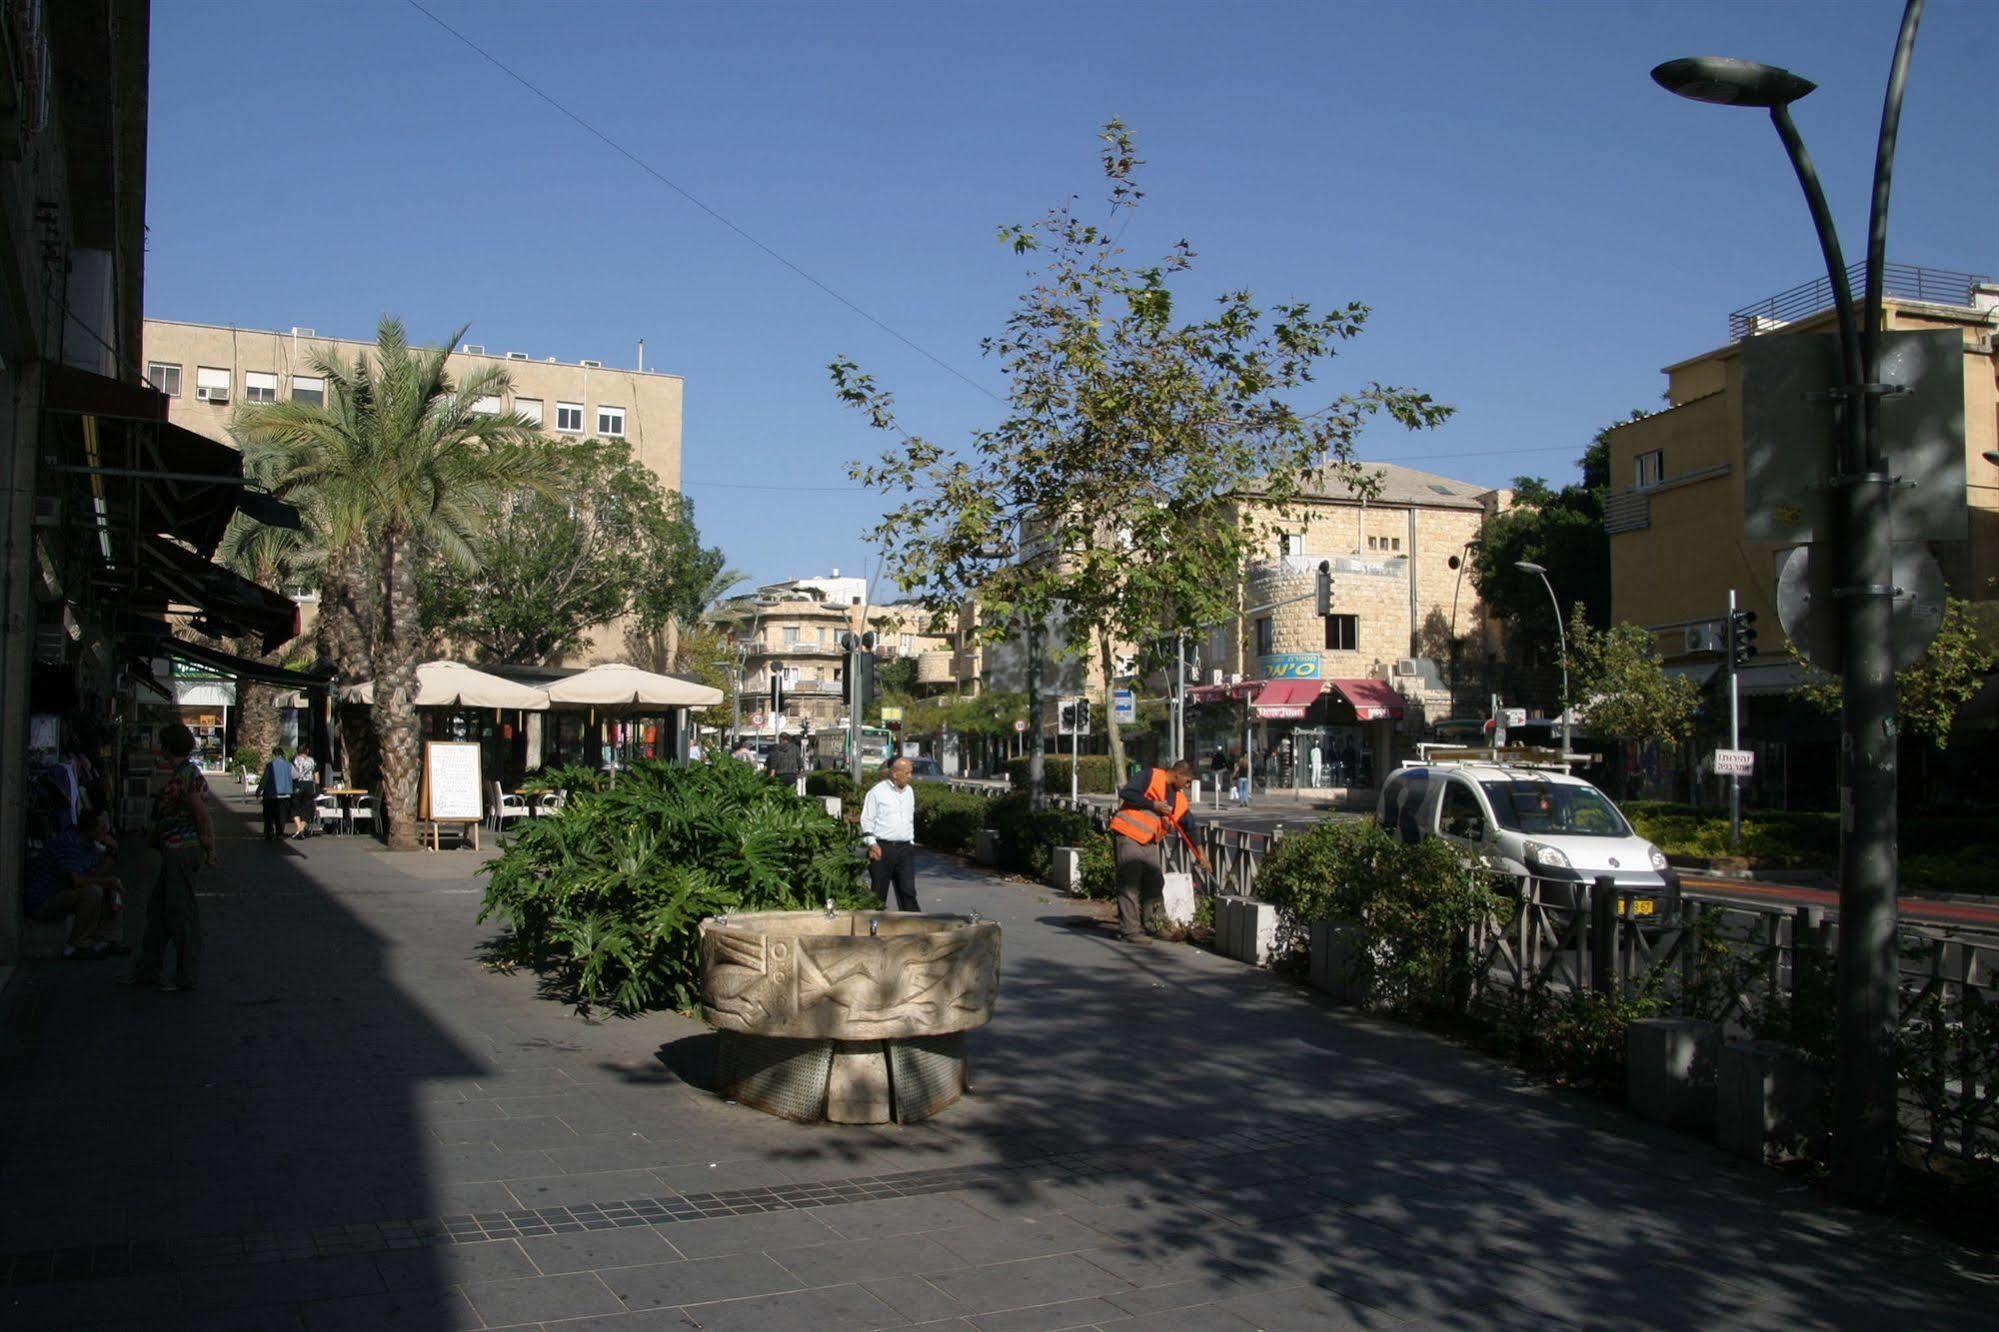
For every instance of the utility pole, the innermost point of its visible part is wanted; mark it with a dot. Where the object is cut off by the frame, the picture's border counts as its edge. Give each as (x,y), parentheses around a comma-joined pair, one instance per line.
(1037,754)
(1740,645)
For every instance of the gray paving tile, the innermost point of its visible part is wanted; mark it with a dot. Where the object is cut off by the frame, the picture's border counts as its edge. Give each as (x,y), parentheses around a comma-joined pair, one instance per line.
(1302,1309)
(897,1216)
(748,1234)
(828,1309)
(642,1320)
(722,1176)
(1028,1282)
(1050,1317)
(541,1299)
(278,1283)
(601,1186)
(515,1134)
(699,1281)
(1004,1241)
(867,1260)
(914,1298)
(588,1250)
(1194,1318)
(434,1310)
(452,1265)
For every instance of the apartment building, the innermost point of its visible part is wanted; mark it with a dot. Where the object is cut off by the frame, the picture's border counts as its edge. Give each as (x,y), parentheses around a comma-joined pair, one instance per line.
(206,370)
(792,631)
(1676,512)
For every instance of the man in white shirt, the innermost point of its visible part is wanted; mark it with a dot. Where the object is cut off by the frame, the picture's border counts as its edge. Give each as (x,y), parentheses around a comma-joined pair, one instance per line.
(888,828)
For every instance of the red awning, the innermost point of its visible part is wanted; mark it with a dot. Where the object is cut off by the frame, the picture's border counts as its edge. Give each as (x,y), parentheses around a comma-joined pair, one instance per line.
(1222,693)
(1286,700)
(1372,700)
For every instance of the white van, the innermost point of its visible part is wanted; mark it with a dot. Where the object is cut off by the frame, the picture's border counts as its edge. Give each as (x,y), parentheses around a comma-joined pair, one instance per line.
(1526,823)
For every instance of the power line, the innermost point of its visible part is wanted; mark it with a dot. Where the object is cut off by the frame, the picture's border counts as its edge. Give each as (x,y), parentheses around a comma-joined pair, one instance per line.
(689,195)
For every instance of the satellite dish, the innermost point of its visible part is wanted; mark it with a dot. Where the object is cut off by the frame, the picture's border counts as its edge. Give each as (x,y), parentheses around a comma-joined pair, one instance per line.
(1806,608)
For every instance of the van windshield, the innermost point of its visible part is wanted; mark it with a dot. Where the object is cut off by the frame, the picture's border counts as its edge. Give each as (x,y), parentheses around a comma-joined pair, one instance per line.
(1525,805)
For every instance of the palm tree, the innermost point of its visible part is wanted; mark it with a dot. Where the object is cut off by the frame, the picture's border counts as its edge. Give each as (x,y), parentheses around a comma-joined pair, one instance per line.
(278,557)
(397,463)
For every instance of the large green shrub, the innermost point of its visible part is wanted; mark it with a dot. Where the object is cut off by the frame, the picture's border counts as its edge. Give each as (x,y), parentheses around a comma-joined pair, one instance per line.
(830,782)
(1093,776)
(948,820)
(1027,836)
(607,896)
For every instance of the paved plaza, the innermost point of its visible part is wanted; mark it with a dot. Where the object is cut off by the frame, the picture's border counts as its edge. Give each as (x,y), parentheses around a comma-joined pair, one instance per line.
(354,1123)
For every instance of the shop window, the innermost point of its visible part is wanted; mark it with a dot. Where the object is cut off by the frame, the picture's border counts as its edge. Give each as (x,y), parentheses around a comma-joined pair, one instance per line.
(1343,633)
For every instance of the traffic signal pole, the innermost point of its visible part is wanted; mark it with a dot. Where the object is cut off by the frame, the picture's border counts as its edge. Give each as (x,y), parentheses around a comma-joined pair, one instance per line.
(1734,729)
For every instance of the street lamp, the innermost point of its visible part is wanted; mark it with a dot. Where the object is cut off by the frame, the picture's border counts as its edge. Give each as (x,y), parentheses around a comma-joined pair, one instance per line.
(1562,636)
(1864,1108)
(1461,559)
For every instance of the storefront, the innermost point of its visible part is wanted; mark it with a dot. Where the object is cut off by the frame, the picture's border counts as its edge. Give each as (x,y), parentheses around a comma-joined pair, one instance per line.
(1301,734)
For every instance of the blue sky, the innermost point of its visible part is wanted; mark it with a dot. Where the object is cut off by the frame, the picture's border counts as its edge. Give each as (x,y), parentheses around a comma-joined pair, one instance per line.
(1537,227)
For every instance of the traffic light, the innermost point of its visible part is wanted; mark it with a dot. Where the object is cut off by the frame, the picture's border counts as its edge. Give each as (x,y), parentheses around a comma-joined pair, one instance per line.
(1082,716)
(1065,723)
(1741,637)
(777,692)
(1325,587)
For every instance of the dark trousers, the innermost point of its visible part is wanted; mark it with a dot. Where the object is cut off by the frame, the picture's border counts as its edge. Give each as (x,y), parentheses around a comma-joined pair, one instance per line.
(897,866)
(277,813)
(172,917)
(1141,885)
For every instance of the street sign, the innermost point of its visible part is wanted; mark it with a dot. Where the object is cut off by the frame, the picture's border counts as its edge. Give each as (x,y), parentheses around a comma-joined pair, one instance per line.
(1511,717)
(1805,605)
(1020,726)
(1124,706)
(891,715)
(1734,762)
(757,721)
(1788,435)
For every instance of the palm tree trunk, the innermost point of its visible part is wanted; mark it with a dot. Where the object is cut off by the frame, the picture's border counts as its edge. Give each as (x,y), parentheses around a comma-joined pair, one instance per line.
(343,639)
(1107,653)
(398,640)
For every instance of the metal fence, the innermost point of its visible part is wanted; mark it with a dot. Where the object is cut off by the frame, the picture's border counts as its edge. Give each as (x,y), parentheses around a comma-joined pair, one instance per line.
(1938,286)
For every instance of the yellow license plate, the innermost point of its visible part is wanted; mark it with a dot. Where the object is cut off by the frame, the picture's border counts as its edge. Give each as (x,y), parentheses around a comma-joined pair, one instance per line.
(1643,906)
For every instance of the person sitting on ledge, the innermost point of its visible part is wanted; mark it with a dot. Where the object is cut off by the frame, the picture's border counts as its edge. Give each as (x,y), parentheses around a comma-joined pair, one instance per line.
(69,878)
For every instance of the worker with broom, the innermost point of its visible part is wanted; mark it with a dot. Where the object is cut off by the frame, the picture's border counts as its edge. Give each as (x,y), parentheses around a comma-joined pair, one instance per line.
(1149,813)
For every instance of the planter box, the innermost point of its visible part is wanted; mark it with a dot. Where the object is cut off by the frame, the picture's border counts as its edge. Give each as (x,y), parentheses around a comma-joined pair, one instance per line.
(1245,929)
(1334,944)
(1065,869)
(1768,1101)
(832,805)
(1670,1070)
(985,848)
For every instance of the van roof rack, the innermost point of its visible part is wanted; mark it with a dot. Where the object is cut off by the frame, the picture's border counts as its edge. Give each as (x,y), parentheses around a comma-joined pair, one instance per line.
(1512,756)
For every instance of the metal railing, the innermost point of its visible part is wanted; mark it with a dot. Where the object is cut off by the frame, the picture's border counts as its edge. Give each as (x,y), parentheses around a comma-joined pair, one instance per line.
(1937,286)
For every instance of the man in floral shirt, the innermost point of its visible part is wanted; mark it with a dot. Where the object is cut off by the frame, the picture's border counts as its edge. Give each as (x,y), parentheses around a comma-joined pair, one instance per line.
(186,840)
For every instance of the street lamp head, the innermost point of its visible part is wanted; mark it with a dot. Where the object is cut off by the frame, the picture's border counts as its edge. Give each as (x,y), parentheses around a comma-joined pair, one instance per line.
(1728,82)
(1528,566)
(1991,456)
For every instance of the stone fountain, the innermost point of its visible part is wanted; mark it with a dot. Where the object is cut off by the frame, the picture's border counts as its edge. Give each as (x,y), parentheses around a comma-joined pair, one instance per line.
(858,1017)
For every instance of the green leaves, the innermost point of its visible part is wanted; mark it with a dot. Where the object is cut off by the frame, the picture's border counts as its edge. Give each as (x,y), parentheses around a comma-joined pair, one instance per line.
(1621,687)
(1929,694)
(608,895)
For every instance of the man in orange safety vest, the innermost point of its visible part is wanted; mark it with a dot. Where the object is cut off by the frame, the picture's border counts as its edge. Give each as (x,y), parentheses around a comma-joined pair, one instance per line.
(1149,814)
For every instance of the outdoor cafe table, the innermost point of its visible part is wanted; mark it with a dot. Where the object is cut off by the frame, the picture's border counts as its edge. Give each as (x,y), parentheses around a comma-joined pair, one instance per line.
(345,795)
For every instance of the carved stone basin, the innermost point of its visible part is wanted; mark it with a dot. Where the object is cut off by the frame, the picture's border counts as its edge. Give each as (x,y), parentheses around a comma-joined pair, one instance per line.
(857,1017)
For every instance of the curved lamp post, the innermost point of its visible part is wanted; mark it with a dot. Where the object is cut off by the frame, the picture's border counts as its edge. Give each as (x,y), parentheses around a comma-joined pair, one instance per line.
(1561,635)
(1864,1111)
(1463,558)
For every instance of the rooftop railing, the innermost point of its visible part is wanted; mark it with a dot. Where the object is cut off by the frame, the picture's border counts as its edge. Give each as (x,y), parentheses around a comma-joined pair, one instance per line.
(1936,286)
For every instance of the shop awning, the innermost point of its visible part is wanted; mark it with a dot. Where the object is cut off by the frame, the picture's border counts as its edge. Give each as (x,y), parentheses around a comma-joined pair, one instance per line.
(162,576)
(1286,700)
(620,685)
(453,684)
(1372,700)
(1224,692)
(239,668)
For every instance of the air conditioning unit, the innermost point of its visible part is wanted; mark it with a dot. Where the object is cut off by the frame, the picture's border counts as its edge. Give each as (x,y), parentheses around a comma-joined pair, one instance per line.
(1408,666)
(212,394)
(474,349)
(298,332)
(593,365)
(517,356)
(1704,638)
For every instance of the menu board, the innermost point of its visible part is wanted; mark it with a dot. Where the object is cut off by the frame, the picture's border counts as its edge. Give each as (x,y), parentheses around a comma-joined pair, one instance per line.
(451,786)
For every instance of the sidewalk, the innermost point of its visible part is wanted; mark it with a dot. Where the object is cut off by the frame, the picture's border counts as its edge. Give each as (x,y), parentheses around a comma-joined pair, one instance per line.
(354,1124)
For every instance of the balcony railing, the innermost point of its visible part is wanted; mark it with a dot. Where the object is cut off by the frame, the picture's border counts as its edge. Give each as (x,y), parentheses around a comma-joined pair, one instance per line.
(1937,286)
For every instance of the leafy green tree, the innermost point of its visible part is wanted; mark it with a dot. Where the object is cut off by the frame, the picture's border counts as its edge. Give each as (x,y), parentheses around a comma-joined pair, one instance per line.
(1127,432)
(399,461)
(1621,687)
(1562,530)
(605,541)
(1929,694)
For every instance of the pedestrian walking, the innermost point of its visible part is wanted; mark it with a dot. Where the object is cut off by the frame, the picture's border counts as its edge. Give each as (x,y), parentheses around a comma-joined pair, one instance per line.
(888,830)
(305,789)
(1245,777)
(276,786)
(787,763)
(185,838)
(1147,816)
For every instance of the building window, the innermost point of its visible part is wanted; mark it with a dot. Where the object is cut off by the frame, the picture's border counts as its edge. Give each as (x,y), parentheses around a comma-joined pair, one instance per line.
(1651,468)
(1374,543)
(309,389)
(529,410)
(211,383)
(1266,637)
(569,417)
(1395,543)
(1294,543)
(909,645)
(611,422)
(487,404)
(1342,633)
(164,377)
(791,635)
(259,386)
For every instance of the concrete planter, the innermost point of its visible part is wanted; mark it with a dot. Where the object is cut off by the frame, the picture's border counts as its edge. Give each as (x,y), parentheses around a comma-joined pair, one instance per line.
(985,848)
(1335,951)
(1768,1101)
(1670,1070)
(1065,869)
(1245,929)
(1179,899)
(832,806)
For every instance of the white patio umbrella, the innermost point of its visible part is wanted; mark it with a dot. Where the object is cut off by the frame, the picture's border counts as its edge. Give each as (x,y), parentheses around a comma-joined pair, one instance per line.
(453,684)
(617,685)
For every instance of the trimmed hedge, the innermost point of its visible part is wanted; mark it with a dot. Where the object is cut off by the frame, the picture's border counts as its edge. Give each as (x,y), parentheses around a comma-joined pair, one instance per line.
(1795,836)
(829,782)
(948,820)
(1094,776)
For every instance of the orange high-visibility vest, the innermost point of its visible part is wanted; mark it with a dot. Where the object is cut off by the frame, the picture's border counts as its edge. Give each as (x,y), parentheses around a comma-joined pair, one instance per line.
(1142,825)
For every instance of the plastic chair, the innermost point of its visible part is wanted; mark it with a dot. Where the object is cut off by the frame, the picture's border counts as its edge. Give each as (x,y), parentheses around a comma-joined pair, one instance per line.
(549,805)
(363,813)
(512,806)
(327,812)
